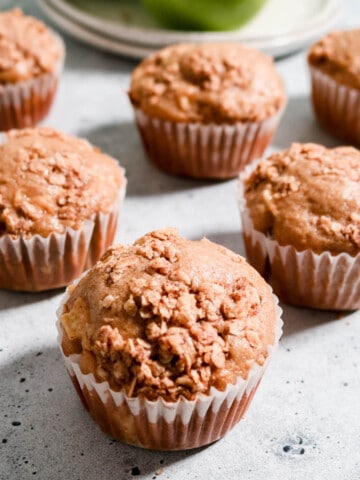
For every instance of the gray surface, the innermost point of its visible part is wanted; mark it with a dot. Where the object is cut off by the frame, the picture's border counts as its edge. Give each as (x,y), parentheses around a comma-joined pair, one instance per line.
(309,399)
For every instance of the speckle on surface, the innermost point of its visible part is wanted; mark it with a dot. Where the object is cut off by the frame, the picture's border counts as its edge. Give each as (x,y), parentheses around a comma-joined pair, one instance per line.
(135,471)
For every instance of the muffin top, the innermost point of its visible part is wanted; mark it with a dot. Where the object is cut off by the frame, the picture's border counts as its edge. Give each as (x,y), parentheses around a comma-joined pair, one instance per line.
(27,47)
(208,83)
(338,55)
(308,196)
(168,317)
(50,181)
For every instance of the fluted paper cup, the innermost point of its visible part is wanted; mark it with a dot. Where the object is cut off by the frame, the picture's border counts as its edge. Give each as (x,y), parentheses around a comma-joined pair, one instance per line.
(302,278)
(162,425)
(42,263)
(337,107)
(24,104)
(204,151)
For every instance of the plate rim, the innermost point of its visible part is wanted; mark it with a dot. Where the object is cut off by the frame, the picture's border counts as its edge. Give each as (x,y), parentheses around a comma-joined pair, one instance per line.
(160,37)
(279,46)
(89,36)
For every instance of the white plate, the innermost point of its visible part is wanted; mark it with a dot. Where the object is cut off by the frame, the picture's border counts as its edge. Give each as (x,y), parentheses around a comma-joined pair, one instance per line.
(125,27)
(91,37)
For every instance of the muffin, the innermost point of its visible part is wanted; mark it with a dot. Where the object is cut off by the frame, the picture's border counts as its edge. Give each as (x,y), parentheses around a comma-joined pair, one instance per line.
(31,58)
(301,225)
(166,340)
(59,203)
(335,74)
(205,111)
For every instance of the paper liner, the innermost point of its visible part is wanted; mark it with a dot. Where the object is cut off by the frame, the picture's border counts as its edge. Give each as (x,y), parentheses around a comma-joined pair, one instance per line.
(305,279)
(26,103)
(162,425)
(43,263)
(204,151)
(336,106)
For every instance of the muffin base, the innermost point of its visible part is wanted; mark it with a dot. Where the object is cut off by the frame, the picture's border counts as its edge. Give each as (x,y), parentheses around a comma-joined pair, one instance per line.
(337,107)
(305,279)
(194,424)
(164,425)
(204,151)
(43,263)
(24,104)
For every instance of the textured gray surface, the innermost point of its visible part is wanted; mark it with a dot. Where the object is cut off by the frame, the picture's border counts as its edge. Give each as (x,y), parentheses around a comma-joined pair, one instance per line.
(309,399)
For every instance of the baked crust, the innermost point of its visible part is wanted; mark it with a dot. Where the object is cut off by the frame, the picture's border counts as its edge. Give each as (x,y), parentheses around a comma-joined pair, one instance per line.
(28,49)
(50,181)
(208,83)
(338,55)
(168,317)
(308,196)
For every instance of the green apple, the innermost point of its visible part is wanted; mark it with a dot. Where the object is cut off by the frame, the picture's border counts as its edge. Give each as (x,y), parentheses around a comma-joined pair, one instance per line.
(203,14)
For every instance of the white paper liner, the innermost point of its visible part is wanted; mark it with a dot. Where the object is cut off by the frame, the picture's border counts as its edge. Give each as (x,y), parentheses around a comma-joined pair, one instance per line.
(43,263)
(204,151)
(24,104)
(306,279)
(162,425)
(336,106)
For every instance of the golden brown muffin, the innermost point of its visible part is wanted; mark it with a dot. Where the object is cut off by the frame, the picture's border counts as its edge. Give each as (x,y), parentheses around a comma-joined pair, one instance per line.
(27,48)
(334,63)
(338,55)
(65,193)
(50,181)
(308,196)
(31,58)
(209,83)
(301,225)
(206,110)
(168,319)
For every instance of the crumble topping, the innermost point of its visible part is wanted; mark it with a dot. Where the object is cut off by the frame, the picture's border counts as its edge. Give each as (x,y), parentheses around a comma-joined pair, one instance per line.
(27,47)
(200,322)
(50,181)
(338,55)
(209,83)
(308,196)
